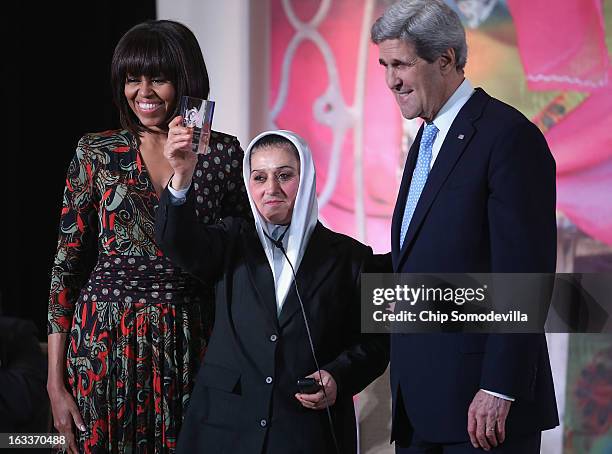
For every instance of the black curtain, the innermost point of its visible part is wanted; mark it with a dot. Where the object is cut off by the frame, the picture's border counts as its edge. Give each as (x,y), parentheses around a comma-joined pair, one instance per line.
(56,85)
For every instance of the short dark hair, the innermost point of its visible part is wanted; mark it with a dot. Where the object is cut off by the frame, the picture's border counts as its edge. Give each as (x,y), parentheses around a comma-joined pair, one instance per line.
(275,140)
(158,48)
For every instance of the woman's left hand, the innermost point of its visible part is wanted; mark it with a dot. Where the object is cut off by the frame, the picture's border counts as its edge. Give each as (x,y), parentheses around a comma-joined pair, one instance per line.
(317,400)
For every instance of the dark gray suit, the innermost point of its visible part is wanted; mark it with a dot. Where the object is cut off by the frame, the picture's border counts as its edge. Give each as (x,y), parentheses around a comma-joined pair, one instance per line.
(488,207)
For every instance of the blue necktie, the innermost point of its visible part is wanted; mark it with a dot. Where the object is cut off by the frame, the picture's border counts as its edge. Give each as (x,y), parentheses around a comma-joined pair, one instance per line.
(419,176)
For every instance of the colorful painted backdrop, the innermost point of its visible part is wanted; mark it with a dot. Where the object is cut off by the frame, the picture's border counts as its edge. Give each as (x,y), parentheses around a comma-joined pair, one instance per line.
(548,58)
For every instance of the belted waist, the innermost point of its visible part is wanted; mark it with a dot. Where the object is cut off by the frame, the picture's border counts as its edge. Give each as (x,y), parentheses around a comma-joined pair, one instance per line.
(141,279)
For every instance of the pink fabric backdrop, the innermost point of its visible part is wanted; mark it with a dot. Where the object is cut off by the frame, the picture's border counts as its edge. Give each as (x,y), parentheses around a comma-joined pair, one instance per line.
(562,47)
(308,81)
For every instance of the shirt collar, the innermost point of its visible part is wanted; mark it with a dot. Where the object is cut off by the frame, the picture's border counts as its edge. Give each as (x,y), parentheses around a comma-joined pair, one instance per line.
(451,108)
(275,230)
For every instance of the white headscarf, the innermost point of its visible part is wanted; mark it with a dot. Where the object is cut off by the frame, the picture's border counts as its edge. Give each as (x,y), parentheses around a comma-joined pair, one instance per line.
(303,219)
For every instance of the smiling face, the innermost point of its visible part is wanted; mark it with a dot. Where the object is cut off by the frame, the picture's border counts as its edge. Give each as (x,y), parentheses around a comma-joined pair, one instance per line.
(420,87)
(151,99)
(274,182)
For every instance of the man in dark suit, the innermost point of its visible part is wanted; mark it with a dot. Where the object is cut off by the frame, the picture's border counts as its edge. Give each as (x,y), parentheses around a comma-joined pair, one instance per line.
(477,196)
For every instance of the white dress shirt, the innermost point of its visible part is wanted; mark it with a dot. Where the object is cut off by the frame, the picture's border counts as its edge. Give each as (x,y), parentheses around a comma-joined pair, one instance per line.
(177,196)
(278,258)
(447,115)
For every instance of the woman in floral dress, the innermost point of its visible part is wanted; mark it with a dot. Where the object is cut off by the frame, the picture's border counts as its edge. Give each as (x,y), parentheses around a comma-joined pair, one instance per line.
(127,329)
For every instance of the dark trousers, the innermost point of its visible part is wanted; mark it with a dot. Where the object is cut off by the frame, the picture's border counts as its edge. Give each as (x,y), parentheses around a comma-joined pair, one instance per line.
(526,444)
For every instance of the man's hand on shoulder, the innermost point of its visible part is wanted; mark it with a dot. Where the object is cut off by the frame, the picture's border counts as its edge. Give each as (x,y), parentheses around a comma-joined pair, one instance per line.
(487,420)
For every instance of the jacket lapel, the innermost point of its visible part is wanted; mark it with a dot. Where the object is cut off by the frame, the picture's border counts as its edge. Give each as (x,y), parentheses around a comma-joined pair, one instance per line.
(458,138)
(261,275)
(400,203)
(314,268)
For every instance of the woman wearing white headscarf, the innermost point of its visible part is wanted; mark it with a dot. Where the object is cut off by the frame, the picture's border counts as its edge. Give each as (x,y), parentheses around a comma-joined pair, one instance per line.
(246,399)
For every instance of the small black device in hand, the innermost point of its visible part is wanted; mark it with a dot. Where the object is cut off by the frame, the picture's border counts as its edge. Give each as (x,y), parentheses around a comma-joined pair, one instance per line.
(308,385)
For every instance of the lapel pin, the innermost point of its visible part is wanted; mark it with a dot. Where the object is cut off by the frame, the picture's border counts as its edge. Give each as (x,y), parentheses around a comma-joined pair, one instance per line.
(460,136)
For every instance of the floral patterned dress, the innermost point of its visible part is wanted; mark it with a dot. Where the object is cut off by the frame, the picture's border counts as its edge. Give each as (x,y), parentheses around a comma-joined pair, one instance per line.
(137,324)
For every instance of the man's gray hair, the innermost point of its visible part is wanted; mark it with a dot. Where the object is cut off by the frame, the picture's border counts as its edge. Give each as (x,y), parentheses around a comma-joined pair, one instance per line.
(430,25)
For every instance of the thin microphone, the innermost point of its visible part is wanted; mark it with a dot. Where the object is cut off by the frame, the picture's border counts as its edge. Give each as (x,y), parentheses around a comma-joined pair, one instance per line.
(279,244)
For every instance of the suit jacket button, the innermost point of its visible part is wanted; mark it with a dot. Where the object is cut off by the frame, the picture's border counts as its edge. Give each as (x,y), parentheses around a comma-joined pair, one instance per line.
(263,423)
(273,338)
(268,380)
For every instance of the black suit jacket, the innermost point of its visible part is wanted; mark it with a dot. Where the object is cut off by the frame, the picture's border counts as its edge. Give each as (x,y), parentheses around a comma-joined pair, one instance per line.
(243,400)
(488,206)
